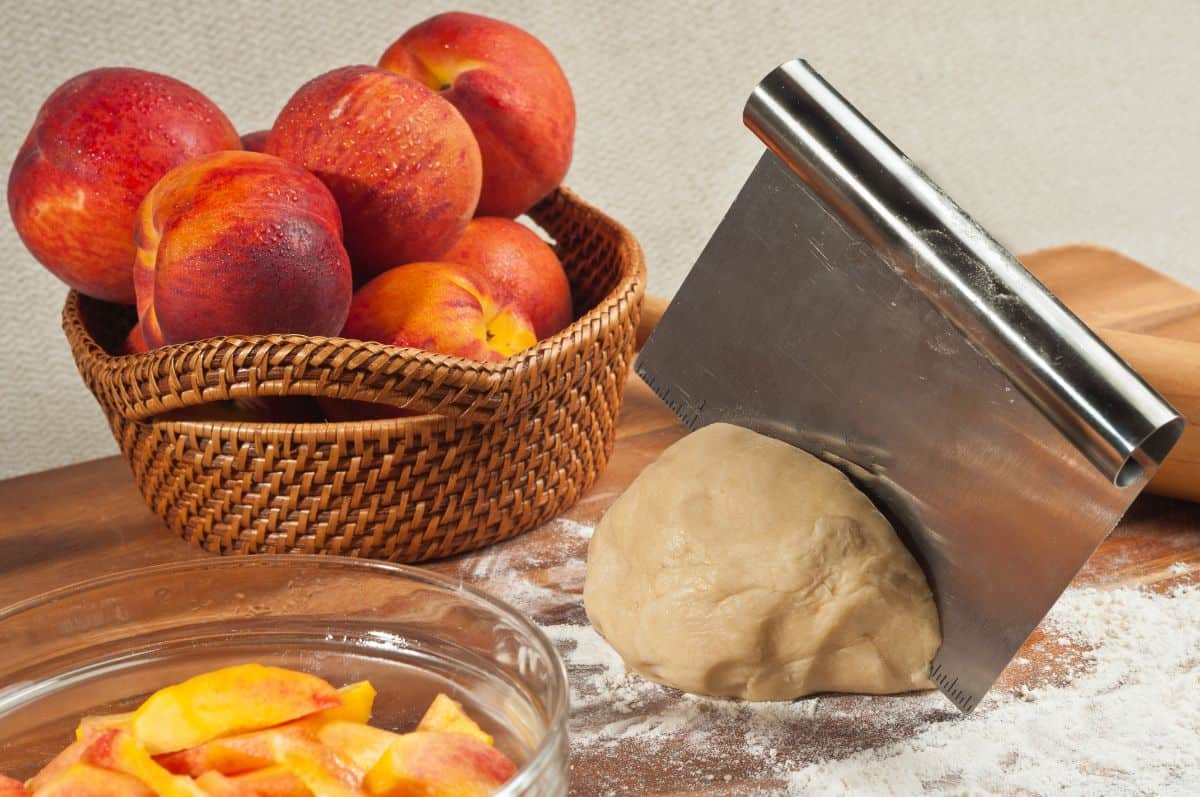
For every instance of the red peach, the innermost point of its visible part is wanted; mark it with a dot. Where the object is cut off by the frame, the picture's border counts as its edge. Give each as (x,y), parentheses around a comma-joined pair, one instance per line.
(99,143)
(400,160)
(256,141)
(511,91)
(239,243)
(523,269)
(440,307)
(10,787)
(135,341)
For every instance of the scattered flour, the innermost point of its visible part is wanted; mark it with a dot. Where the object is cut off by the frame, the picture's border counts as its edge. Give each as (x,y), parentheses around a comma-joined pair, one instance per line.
(1106,701)
(1127,723)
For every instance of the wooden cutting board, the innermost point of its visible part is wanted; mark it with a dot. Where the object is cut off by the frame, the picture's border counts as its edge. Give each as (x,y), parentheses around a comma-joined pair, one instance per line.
(1149,319)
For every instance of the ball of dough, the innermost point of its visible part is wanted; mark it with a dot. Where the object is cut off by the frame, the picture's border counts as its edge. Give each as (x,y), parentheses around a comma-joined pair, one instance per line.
(737,565)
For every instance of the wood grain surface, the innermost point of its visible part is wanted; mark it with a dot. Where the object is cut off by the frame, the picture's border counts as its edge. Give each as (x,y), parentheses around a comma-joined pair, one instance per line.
(1151,321)
(84,520)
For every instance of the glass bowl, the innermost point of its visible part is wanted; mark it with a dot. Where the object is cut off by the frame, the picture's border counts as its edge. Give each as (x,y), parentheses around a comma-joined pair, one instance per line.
(100,646)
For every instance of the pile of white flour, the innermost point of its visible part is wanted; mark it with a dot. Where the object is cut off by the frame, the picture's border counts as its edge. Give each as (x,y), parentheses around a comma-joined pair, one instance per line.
(1118,712)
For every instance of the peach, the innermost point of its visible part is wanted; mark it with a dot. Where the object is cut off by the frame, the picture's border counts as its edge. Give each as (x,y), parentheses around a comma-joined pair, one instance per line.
(248,751)
(235,699)
(239,243)
(256,141)
(10,787)
(357,698)
(402,163)
(215,784)
(440,307)
(522,267)
(361,745)
(70,755)
(230,755)
(135,341)
(147,327)
(85,780)
(117,750)
(99,143)
(93,725)
(512,93)
(273,781)
(322,770)
(446,715)
(439,765)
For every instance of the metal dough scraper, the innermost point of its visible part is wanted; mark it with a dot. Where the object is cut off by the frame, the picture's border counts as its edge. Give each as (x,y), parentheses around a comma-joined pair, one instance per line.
(848,306)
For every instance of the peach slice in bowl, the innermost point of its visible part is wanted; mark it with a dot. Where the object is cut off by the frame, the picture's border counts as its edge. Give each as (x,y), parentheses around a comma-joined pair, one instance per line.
(99,647)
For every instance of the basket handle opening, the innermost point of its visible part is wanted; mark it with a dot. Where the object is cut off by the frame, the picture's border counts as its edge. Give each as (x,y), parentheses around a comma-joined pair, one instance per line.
(289,409)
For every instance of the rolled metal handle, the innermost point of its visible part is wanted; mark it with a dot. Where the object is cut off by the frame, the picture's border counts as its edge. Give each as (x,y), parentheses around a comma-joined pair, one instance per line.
(1116,420)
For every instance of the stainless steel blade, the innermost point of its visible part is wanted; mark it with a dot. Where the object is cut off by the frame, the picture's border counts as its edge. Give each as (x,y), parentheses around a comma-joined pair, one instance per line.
(846,305)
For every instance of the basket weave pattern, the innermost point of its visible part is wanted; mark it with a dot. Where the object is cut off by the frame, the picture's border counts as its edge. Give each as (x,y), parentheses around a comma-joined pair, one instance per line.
(501,449)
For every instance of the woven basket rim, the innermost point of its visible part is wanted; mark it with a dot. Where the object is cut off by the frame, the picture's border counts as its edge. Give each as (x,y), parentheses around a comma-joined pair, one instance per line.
(580,333)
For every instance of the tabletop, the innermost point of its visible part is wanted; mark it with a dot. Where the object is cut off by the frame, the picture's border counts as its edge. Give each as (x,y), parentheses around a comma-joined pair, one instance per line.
(629,736)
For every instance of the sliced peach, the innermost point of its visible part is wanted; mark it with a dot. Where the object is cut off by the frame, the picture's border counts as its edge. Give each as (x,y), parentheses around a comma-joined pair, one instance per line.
(235,699)
(230,755)
(117,750)
(424,764)
(362,745)
(269,782)
(243,752)
(447,716)
(92,725)
(85,780)
(357,701)
(10,787)
(215,784)
(71,754)
(322,770)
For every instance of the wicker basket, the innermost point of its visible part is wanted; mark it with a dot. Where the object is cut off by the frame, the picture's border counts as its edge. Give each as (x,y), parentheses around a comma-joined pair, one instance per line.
(502,449)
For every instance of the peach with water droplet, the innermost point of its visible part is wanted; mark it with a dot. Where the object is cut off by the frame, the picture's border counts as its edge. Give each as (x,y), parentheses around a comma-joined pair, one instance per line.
(512,92)
(98,145)
(239,243)
(401,161)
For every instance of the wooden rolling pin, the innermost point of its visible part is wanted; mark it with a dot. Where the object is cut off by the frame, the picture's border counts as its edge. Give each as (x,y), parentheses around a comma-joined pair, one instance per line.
(1149,320)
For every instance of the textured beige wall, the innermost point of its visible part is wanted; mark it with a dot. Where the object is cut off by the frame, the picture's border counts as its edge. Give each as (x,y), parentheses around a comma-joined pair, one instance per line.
(1050,122)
